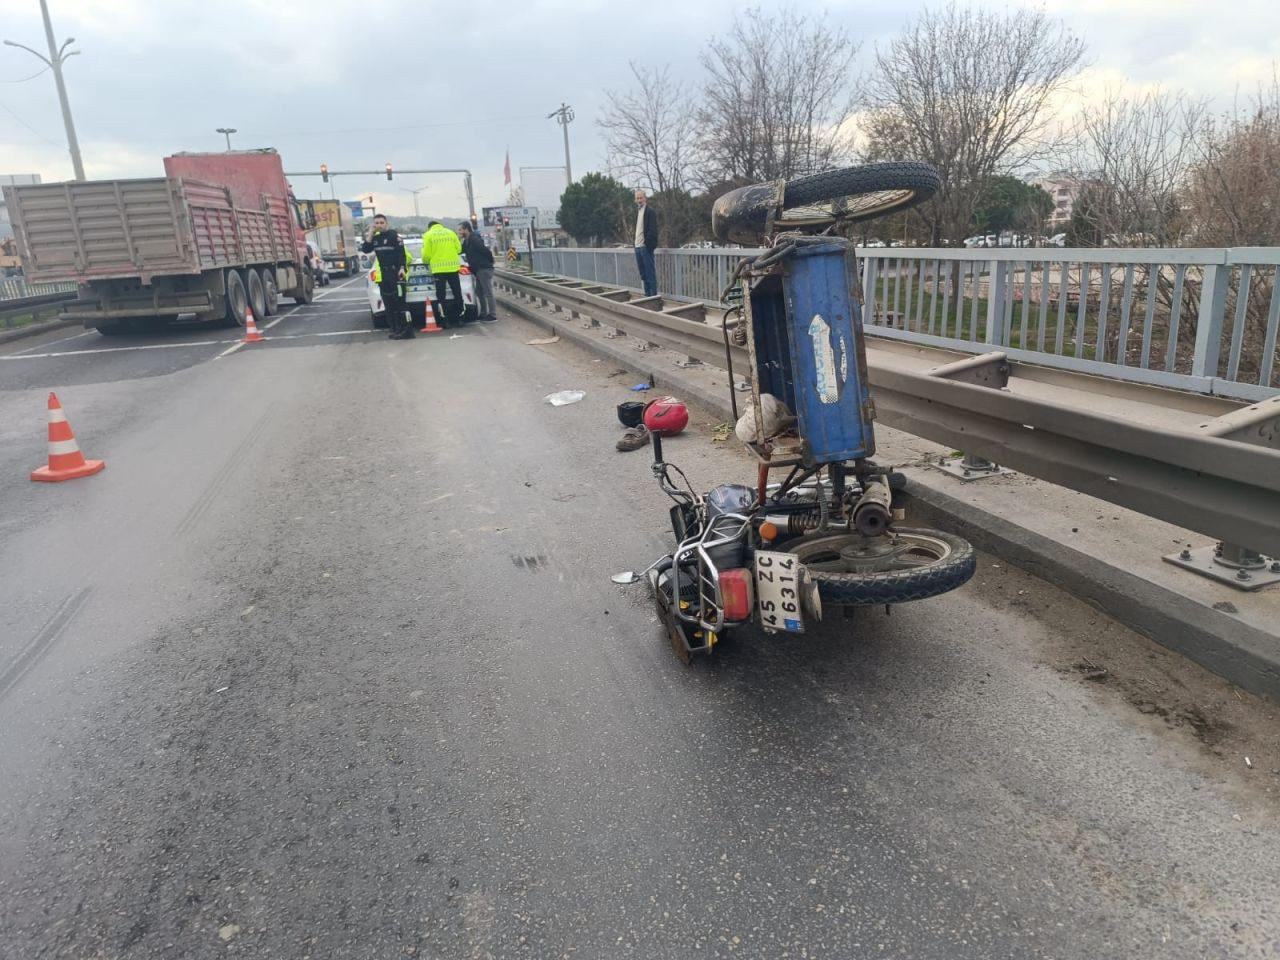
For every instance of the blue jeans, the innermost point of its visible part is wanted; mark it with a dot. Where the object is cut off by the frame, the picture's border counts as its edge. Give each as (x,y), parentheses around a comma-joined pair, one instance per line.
(648,271)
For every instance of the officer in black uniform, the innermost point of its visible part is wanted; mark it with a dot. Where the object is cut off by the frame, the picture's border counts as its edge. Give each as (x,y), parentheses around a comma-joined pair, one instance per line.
(386,245)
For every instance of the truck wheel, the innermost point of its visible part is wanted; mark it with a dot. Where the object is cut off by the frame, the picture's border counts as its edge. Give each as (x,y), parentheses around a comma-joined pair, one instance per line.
(306,286)
(110,329)
(257,293)
(237,299)
(270,290)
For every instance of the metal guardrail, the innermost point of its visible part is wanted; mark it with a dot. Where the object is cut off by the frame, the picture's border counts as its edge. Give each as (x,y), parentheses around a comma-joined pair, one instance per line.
(1206,320)
(1205,464)
(15,308)
(16,288)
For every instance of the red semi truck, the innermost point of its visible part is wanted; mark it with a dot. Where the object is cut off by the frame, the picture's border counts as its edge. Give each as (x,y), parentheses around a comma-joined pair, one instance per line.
(217,233)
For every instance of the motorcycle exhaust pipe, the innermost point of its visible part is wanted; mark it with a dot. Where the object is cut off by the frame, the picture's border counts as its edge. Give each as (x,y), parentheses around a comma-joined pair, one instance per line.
(873,511)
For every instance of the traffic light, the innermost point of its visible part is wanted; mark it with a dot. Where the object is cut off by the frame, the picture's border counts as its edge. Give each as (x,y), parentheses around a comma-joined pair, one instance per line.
(506,221)
(388,171)
(324,172)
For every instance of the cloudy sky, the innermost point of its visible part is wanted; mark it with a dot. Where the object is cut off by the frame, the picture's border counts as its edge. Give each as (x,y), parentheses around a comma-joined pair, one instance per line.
(429,84)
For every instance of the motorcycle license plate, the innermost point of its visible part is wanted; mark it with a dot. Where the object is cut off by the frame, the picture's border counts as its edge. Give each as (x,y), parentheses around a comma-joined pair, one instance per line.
(778,586)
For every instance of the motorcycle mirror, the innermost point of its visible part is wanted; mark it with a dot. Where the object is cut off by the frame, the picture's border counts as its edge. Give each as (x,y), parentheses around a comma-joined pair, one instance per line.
(630,576)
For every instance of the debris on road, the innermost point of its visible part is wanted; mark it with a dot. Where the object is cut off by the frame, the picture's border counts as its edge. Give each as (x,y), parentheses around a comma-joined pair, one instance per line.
(542,341)
(722,433)
(563,398)
(639,387)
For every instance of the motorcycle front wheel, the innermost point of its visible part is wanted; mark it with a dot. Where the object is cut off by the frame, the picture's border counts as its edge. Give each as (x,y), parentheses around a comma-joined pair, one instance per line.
(903,564)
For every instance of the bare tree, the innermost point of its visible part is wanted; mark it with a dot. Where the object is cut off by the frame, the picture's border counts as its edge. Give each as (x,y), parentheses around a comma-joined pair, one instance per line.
(1232,189)
(777,99)
(648,131)
(968,91)
(1231,196)
(1133,155)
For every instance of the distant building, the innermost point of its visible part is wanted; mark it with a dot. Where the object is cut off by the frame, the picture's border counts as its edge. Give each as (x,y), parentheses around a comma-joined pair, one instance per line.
(12,180)
(1064,189)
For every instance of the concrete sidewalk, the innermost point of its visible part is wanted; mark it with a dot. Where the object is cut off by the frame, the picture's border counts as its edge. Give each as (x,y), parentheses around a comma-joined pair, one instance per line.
(1106,555)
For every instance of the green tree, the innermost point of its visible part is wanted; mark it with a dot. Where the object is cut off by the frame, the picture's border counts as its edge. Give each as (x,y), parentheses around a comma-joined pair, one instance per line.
(1006,203)
(682,216)
(592,210)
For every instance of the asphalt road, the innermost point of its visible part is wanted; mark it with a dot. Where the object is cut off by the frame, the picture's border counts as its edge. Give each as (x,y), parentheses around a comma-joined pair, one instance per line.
(327,663)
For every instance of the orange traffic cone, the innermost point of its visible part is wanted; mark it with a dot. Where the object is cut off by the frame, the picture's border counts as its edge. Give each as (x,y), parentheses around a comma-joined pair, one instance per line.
(429,319)
(251,334)
(66,462)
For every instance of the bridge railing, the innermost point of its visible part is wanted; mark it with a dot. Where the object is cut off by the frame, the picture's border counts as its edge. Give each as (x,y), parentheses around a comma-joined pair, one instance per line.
(16,288)
(1196,319)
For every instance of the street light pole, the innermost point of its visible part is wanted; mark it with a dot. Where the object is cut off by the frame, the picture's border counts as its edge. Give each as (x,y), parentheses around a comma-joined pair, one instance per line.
(227,132)
(58,56)
(416,214)
(564,116)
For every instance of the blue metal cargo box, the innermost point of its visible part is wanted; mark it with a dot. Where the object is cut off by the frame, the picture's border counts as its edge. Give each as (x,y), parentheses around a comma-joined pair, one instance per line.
(811,326)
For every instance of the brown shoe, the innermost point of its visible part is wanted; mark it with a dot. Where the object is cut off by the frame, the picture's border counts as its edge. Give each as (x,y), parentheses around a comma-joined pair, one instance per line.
(633,439)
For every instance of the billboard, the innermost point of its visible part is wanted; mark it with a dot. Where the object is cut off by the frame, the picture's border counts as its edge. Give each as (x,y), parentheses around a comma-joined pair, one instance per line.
(521,217)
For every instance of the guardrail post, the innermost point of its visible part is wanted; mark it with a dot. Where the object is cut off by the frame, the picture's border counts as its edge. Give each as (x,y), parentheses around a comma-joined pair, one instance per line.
(1232,563)
(986,370)
(1213,304)
(996,293)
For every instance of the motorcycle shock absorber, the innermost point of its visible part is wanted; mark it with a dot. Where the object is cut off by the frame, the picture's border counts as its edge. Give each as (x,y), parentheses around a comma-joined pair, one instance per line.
(782,526)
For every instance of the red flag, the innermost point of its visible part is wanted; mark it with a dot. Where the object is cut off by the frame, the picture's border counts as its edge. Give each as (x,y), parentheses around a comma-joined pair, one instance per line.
(506,170)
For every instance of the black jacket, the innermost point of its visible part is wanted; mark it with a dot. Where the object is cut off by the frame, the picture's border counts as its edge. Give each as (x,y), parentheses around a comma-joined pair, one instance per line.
(389,249)
(650,227)
(479,257)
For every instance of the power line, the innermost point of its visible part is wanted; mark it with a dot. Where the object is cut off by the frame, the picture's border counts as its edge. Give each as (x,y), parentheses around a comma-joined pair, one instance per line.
(40,135)
(25,79)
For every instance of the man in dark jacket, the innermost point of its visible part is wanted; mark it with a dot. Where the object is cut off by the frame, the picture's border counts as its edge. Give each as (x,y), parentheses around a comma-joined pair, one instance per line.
(386,245)
(480,262)
(646,240)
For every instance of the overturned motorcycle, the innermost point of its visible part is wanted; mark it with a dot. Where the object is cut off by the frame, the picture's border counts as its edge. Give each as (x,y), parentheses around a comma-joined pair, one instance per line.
(825,535)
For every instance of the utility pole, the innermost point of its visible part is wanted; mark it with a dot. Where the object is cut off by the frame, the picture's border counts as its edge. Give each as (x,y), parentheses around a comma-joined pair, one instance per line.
(227,132)
(564,116)
(58,56)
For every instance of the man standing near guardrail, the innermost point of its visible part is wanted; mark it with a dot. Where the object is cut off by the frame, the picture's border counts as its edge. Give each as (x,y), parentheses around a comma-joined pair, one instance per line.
(646,242)
(480,262)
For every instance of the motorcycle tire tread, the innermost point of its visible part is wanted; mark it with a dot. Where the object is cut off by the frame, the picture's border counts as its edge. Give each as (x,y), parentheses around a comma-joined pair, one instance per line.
(867,178)
(899,586)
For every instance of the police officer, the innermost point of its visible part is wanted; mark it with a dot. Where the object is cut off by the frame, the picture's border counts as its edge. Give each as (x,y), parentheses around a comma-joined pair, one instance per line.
(442,253)
(386,245)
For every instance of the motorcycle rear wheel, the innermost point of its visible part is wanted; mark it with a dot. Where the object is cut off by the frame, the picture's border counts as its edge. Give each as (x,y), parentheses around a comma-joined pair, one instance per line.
(904,564)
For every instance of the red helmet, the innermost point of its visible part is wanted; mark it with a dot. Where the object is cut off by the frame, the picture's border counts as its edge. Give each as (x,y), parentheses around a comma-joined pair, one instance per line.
(666,416)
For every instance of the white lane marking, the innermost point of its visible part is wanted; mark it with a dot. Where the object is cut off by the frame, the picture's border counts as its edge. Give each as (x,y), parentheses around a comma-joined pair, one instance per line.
(54,343)
(82,353)
(230,350)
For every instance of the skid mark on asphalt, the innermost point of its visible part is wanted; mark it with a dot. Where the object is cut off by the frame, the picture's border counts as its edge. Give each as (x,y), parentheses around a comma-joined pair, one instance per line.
(43,641)
(201,506)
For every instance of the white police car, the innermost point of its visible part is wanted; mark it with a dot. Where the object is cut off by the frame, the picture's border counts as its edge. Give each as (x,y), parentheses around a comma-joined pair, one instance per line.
(420,285)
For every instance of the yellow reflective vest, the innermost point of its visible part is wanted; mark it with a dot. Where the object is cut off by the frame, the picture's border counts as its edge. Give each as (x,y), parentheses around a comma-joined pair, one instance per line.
(441,250)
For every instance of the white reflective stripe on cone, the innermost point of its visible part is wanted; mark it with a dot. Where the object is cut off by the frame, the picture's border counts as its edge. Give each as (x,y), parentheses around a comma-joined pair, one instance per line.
(59,447)
(56,415)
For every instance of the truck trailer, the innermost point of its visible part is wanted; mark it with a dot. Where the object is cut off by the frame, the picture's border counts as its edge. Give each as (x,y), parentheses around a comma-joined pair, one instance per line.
(331,231)
(217,234)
